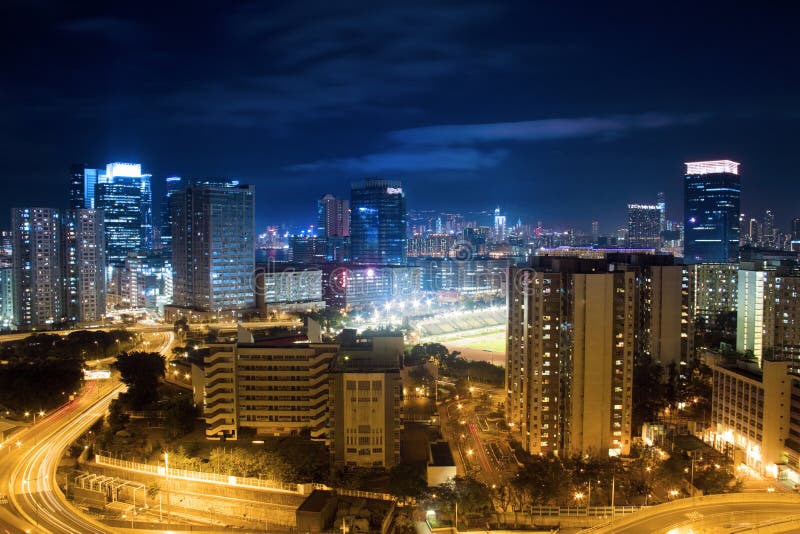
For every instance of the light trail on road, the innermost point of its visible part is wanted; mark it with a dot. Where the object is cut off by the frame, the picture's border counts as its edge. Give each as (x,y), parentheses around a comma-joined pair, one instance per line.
(481,452)
(35,494)
(28,472)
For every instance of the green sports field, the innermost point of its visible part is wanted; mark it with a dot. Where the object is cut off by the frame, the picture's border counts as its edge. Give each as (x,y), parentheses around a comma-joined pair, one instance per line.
(494,342)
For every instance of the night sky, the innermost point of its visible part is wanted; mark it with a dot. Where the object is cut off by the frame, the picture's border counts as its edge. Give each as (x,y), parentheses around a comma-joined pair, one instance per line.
(559,113)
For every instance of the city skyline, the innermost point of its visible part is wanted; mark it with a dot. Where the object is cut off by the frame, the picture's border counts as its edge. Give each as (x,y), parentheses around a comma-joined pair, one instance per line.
(456,98)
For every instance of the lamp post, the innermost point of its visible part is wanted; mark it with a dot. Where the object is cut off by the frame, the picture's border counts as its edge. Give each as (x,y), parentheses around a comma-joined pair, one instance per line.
(166,475)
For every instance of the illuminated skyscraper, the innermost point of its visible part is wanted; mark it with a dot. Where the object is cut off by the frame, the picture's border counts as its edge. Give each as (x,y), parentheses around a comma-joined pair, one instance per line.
(38,274)
(795,242)
(213,238)
(378,222)
(83,238)
(124,194)
(768,230)
(499,226)
(173,183)
(644,226)
(334,217)
(712,190)
(81,187)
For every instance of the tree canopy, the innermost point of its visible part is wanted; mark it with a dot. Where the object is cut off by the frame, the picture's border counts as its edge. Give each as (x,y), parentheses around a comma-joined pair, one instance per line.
(141,372)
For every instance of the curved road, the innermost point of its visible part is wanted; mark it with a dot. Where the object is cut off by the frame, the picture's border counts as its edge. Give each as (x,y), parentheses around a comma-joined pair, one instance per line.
(30,459)
(712,514)
(28,472)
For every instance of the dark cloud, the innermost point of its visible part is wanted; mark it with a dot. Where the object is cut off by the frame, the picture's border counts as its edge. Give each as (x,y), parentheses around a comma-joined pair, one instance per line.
(403,161)
(112,28)
(431,148)
(542,130)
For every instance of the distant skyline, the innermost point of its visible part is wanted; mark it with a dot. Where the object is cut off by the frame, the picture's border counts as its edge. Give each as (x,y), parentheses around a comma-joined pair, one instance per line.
(561,113)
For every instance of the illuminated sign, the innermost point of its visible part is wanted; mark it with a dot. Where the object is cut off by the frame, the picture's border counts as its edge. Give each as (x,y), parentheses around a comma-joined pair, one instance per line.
(394,190)
(96,374)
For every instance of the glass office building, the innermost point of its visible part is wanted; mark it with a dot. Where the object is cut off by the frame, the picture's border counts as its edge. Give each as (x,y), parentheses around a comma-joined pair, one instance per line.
(712,190)
(172,183)
(124,194)
(81,186)
(378,222)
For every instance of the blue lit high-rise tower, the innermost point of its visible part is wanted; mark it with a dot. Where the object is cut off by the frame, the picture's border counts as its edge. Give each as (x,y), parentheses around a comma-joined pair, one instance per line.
(173,183)
(712,190)
(81,186)
(378,222)
(124,194)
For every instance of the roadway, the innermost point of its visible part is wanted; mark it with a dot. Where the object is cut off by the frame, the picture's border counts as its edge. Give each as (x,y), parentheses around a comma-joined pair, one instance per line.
(30,459)
(711,514)
(28,471)
(154,328)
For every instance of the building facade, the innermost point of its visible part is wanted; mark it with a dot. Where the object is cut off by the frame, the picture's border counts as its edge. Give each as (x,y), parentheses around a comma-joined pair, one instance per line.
(333,217)
(84,258)
(123,193)
(751,408)
(146,282)
(474,276)
(172,184)
(768,311)
(81,186)
(714,290)
(288,289)
(712,191)
(365,416)
(644,226)
(7,317)
(666,328)
(38,267)
(213,238)
(378,222)
(570,350)
(274,389)
(347,287)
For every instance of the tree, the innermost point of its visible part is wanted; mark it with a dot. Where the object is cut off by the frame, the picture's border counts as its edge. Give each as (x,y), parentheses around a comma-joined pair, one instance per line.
(180,416)
(141,372)
(473,498)
(180,326)
(407,481)
(717,478)
(544,480)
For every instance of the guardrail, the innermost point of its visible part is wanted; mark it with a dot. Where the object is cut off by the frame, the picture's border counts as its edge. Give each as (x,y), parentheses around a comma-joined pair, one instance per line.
(245,482)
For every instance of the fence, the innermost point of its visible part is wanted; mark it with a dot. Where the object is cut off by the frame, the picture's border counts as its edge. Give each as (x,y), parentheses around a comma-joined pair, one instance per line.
(244,482)
(570,511)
